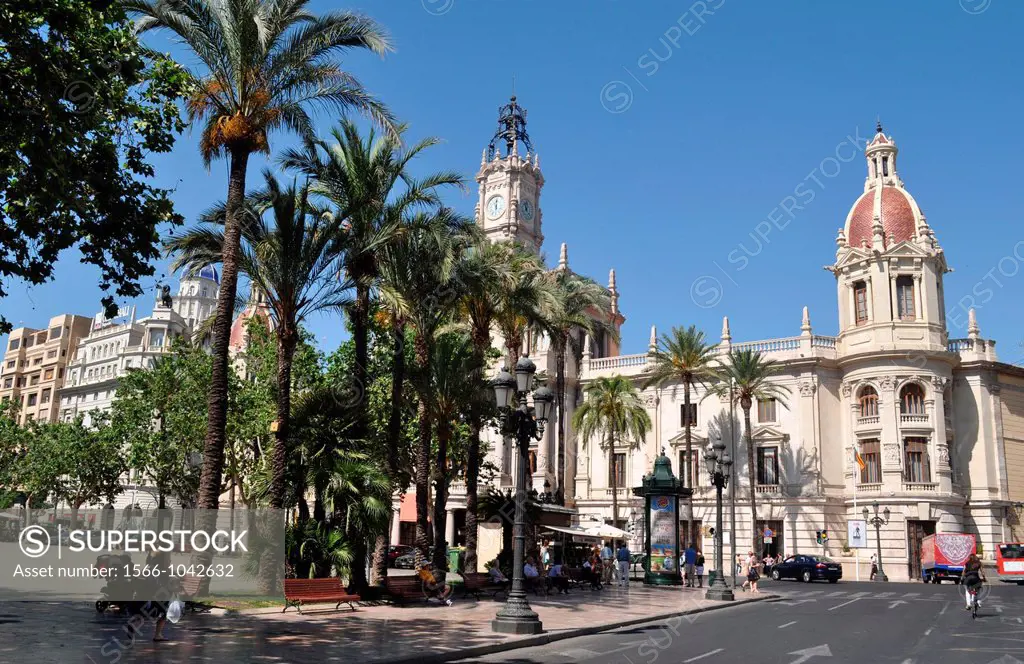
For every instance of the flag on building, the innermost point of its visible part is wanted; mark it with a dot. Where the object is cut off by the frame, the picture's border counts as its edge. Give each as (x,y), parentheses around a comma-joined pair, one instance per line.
(860,460)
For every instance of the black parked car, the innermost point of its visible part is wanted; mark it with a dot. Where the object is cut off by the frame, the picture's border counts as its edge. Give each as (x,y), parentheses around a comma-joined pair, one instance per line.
(808,568)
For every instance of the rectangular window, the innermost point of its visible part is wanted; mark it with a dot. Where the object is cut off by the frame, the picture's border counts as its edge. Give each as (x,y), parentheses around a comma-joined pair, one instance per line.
(617,471)
(46,396)
(15,344)
(766,410)
(10,365)
(916,460)
(156,338)
(55,332)
(691,470)
(905,297)
(8,383)
(36,362)
(860,302)
(48,375)
(34,380)
(21,381)
(767,465)
(51,354)
(682,415)
(32,398)
(28,342)
(870,454)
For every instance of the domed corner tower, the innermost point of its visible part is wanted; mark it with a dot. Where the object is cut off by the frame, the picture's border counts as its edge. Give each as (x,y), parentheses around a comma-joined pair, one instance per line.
(888,266)
(509,204)
(892,344)
(197,296)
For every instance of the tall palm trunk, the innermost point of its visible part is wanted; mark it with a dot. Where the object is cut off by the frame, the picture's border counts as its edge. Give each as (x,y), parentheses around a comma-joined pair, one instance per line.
(361,336)
(287,339)
(745,403)
(614,484)
(687,469)
(423,535)
(441,542)
(217,404)
(383,542)
(560,403)
(481,342)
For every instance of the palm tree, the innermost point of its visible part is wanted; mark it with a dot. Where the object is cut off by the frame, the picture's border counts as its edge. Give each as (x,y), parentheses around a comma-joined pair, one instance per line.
(614,413)
(488,288)
(367,179)
(457,393)
(531,300)
(294,262)
(262,64)
(750,373)
(684,355)
(583,305)
(419,283)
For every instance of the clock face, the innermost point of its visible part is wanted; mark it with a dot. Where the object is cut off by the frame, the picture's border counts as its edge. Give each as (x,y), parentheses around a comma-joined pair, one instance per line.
(495,206)
(527,209)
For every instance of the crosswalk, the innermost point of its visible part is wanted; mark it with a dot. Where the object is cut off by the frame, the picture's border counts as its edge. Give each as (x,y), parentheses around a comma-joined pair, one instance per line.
(894,598)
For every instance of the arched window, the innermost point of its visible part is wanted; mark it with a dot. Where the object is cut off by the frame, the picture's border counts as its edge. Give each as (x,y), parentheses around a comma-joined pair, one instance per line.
(868,401)
(912,400)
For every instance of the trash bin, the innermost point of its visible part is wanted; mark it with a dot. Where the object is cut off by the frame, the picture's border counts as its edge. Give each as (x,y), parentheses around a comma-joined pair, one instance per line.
(453,559)
(712,575)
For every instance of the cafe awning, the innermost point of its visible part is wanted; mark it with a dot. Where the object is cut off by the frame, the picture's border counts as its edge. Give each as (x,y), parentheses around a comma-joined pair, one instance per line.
(571,531)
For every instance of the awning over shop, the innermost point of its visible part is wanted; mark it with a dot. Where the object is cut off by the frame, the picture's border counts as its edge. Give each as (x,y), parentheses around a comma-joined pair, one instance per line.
(571,531)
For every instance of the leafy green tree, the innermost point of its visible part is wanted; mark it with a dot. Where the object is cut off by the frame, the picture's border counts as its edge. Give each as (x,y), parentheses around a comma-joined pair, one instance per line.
(84,105)
(261,65)
(75,464)
(751,375)
(160,413)
(290,253)
(684,355)
(613,413)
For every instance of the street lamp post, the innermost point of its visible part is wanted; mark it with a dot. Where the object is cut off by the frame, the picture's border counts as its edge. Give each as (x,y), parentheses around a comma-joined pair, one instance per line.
(719,465)
(524,423)
(878,521)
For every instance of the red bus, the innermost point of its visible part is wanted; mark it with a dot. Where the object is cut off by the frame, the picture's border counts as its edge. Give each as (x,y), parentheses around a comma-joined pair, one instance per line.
(1010,563)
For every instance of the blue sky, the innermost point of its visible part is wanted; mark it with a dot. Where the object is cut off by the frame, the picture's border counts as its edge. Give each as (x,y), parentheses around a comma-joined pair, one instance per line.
(667,139)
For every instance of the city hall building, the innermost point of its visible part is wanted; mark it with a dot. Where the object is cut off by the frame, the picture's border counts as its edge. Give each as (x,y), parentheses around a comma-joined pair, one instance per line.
(938,423)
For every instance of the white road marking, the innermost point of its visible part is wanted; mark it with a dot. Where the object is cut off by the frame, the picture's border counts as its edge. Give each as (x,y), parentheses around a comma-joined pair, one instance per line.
(707,654)
(787,625)
(928,631)
(837,594)
(911,594)
(844,604)
(944,608)
(883,595)
(908,661)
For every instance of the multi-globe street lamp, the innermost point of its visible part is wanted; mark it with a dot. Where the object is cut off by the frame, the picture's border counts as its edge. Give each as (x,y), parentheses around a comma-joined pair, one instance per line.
(878,521)
(523,423)
(719,465)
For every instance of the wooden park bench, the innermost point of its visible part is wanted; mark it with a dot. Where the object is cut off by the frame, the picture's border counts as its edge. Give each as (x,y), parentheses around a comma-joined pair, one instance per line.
(402,588)
(474,583)
(311,591)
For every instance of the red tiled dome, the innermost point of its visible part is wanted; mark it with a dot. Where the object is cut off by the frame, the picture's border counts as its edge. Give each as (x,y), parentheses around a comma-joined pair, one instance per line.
(238,328)
(897,215)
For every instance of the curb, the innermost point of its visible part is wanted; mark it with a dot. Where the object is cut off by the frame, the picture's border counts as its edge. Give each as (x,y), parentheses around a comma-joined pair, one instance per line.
(544,639)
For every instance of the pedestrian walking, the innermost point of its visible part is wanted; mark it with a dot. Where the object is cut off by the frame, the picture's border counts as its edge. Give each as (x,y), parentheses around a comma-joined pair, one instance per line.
(752,572)
(874,567)
(622,558)
(607,563)
(690,558)
(699,569)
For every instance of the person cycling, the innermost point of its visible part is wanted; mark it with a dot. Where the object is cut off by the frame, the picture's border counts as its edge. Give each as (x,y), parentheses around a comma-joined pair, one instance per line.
(974,576)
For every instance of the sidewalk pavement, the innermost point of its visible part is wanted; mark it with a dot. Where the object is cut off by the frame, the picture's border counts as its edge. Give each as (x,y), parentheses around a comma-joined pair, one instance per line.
(436,633)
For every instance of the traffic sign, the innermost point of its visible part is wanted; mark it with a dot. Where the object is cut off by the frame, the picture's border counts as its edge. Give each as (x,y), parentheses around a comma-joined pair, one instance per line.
(768,540)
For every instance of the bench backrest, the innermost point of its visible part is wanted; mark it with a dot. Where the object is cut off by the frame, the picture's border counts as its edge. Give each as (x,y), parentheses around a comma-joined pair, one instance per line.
(299,586)
(190,584)
(408,582)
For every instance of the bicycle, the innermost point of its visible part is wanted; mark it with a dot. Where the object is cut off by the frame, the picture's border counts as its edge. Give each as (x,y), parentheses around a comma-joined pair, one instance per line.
(973,594)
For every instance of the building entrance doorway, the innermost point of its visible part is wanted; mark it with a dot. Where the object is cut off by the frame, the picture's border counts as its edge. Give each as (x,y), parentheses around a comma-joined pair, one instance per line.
(775,546)
(916,532)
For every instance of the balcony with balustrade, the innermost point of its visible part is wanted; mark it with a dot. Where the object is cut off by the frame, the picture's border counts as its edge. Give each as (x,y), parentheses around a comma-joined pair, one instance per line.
(780,350)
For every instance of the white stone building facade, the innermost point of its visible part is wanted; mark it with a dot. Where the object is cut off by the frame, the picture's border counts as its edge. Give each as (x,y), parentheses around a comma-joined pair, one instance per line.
(938,422)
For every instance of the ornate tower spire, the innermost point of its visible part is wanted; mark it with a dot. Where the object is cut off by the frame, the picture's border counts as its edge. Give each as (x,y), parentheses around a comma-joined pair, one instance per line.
(726,336)
(881,155)
(508,207)
(563,257)
(805,324)
(653,344)
(614,291)
(511,130)
(973,331)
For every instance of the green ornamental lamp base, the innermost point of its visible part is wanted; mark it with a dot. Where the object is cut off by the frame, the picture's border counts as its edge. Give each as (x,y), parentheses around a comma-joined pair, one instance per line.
(720,594)
(517,626)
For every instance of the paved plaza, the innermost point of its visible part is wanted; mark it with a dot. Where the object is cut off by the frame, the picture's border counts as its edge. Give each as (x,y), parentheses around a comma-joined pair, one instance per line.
(72,633)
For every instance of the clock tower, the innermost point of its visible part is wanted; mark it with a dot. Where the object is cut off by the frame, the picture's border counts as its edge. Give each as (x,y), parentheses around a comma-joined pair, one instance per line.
(510,182)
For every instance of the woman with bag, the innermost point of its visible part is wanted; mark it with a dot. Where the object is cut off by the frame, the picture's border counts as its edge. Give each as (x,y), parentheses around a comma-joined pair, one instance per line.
(752,572)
